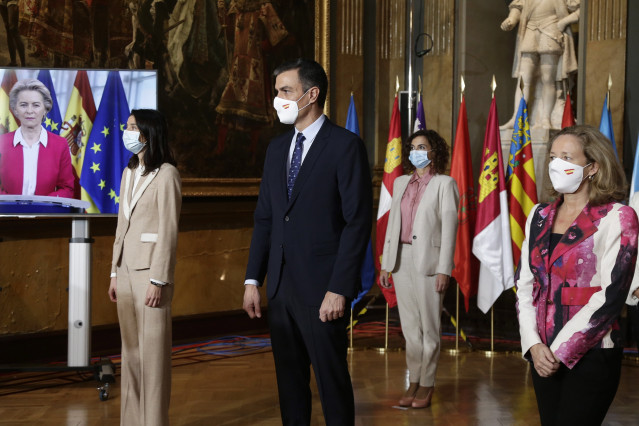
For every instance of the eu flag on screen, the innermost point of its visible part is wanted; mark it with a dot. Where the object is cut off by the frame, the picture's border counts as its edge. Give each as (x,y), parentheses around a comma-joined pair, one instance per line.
(53,119)
(105,156)
(368,267)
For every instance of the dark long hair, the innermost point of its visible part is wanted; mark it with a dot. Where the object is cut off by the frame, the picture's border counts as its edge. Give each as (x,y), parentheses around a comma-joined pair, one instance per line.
(439,149)
(153,127)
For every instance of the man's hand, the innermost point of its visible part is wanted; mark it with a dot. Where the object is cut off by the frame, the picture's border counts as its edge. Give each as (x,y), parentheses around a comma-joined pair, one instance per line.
(113,287)
(153,296)
(384,279)
(332,307)
(545,361)
(441,283)
(252,301)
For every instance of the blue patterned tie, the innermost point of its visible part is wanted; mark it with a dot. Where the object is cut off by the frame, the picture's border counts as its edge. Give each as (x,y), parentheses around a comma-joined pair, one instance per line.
(296,163)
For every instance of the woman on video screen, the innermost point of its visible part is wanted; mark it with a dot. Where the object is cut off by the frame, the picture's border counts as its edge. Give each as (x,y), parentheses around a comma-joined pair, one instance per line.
(34,161)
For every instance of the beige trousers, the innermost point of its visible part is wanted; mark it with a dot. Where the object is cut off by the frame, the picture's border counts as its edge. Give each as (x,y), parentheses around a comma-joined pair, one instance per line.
(146,351)
(420,308)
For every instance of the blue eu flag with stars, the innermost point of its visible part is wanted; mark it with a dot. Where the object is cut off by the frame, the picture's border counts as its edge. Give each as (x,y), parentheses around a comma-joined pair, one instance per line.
(53,119)
(105,156)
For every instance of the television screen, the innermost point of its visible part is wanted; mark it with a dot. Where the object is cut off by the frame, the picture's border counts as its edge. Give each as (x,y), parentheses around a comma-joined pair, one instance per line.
(72,160)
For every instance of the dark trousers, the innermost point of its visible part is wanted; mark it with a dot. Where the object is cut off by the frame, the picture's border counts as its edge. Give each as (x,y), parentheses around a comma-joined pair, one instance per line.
(299,339)
(580,396)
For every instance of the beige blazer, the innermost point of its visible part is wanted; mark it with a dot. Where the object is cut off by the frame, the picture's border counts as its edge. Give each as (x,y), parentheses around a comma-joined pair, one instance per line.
(148,222)
(434,230)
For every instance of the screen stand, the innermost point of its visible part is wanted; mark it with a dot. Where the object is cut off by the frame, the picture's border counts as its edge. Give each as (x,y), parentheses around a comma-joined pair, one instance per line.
(79,327)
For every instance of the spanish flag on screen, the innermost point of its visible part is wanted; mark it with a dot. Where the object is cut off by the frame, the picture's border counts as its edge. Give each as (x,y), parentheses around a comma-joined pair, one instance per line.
(77,125)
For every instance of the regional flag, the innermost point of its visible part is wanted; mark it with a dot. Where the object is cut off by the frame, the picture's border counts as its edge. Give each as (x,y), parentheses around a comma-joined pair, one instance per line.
(492,244)
(106,156)
(8,123)
(605,124)
(53,119)
(568,119)
(520,179)
(392,170)
(420,118)
(368,266)
(461,169)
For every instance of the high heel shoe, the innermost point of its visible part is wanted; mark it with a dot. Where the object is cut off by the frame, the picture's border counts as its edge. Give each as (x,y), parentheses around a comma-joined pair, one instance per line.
(423,403)
(406,401)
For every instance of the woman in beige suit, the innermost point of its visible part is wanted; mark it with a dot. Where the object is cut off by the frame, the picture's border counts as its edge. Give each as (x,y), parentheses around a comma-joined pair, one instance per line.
(143,268)
(419,250)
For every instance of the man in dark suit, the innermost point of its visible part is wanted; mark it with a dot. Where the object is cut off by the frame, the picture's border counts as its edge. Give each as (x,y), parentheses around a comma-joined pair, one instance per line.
(312,225)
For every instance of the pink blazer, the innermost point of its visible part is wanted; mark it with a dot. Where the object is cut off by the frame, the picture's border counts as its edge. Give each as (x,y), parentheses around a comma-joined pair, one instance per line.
(55,172)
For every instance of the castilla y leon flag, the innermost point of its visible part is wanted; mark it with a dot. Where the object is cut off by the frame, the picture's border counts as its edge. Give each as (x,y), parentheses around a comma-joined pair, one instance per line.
(461,169)
(520,179)
(8,123)
(392,170)
(492,244)
(77,125)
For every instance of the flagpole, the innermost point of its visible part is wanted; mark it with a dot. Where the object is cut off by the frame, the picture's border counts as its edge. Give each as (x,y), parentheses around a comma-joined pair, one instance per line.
(385,348)
(350,346)
(410,68)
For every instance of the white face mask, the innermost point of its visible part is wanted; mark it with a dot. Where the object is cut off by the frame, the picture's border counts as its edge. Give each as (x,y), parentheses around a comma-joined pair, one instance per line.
(287,111)
(132,142)
(566,177)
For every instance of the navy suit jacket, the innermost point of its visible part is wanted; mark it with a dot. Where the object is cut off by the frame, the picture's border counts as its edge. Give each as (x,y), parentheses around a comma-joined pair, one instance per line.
(321,233)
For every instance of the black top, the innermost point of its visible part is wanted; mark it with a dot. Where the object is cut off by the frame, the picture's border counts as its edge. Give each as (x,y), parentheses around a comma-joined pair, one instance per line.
(554,240)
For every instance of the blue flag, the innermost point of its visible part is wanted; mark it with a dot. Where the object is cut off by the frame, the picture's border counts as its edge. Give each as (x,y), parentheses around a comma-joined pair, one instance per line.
(105,156)
(53,120)
(634,183)
(605,125)
(368,267)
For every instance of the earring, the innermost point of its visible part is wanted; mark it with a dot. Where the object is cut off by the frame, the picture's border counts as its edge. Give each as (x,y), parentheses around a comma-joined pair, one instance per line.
(590,177)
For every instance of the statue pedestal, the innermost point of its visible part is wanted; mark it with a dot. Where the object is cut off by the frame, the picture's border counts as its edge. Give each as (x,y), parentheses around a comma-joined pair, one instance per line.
(539,139)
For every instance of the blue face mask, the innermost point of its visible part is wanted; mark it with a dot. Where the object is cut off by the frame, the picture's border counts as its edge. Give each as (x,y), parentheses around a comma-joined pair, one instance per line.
(132,142)
(419,158)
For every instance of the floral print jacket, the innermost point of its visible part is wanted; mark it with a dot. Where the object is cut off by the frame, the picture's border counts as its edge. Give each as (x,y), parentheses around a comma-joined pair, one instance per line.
(571,300)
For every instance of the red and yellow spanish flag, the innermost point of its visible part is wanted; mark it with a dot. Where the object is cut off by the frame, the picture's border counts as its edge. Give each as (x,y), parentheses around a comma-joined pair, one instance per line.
(77,125)
(492,244)
(8,123)
(461,169)
(392,170)
(520,179)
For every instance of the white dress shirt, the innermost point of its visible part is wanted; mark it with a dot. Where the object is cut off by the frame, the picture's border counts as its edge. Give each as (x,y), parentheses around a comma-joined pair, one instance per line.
(30,159)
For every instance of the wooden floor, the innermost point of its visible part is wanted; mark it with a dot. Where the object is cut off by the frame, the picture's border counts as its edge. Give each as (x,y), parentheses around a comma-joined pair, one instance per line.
(240,390)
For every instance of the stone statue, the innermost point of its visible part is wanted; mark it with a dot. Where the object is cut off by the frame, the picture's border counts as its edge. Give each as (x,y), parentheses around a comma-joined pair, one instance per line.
(544,53)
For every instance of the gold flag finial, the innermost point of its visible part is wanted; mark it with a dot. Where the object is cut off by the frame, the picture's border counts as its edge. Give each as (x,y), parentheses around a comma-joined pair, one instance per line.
(419,84)
(521,86)
(396,85)
(493,85)
(609,81)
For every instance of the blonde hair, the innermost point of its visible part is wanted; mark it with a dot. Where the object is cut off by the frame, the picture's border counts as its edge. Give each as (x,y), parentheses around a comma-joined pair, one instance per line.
(33,85)
(609,183)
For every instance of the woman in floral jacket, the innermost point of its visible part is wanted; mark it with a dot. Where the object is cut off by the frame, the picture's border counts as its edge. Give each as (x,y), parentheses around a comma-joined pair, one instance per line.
(577,263)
